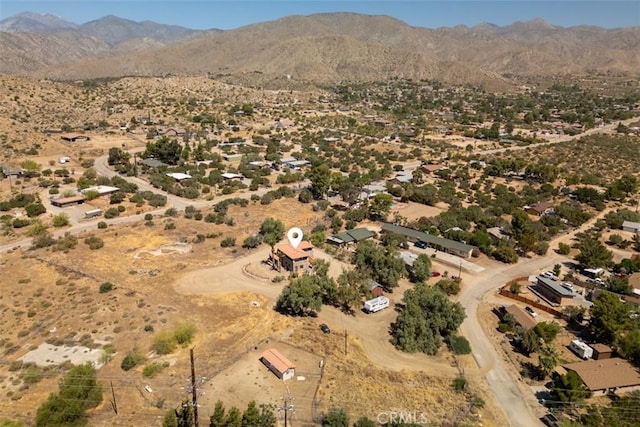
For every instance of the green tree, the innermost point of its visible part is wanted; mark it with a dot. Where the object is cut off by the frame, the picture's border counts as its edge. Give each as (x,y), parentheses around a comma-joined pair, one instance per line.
(593,253)
(380,206)
(218,417)
(272,231)
(301,297)
(629,346)
(364,422)
(381,264)
(421,269)
(547,331)
(549,357)
(234,418)
(251,415)
(320,177)
(427,318)
(529,340)
(78,391)
(267,416)
(569,388)
(609,316)
(336,417)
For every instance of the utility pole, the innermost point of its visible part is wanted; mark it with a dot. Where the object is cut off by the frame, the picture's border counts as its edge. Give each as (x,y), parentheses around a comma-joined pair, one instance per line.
(194,389)
(113,401)
(345,341)
(287,405)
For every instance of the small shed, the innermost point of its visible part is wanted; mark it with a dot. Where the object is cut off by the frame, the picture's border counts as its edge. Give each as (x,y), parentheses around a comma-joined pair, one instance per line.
(601,351)
(375,288)
(278,364)
(631,226)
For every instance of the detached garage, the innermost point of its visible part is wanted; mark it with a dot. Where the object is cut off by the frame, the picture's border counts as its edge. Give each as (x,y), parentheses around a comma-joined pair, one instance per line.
(278,364)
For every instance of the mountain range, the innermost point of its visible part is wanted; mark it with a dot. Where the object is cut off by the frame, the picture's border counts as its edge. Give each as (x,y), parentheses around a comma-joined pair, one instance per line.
(320,49)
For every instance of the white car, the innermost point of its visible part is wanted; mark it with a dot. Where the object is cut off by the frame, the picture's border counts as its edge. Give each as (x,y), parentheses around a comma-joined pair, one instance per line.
(549,275)
(568,286)
(531,312)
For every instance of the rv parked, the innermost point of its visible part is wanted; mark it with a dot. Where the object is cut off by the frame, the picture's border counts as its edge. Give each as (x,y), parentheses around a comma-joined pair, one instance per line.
(93,213)
(376,304)
(581,349)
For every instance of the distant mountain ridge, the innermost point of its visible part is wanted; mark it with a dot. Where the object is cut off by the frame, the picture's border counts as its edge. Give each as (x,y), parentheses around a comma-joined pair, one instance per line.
(323,48)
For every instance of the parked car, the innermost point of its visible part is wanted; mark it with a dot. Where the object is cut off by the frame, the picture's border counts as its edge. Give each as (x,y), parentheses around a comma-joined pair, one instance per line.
(549,275)
(531,311)
(435,274)
(568,286)
(324,328)
(421,245)
(550,420)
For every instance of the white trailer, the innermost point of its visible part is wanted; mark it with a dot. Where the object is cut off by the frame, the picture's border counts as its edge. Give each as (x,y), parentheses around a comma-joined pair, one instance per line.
(93,213)
(376,304)
(581,349)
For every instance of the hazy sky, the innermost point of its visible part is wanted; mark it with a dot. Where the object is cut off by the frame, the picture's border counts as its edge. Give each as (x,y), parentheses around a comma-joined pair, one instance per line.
(225,14)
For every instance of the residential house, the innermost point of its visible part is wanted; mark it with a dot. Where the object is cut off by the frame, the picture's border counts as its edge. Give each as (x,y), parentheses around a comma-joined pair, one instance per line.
(352,236)
(282,367)
(606,375)
(153,163)
(539,209)
(179,176)
(172,132)
(402,177)
(297,260)
(553,292)
(439,243)
(520,317)
(102,190)
(228,176)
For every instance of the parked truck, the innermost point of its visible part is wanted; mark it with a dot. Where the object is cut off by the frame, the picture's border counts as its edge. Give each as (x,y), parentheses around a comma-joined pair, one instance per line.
(93,213)
(582,349)
(376,304)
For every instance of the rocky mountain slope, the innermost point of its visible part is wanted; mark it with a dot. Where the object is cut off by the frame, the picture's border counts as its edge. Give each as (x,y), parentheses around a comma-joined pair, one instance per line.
(325,48)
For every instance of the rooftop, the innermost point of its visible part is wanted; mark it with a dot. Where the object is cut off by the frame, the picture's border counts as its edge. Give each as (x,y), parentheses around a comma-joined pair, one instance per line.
(521,317)
(605,374)
(277,360)
(555,286)
(295,253)
(427,238)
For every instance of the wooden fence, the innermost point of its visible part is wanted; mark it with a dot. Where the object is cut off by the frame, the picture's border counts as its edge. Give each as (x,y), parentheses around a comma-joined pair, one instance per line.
(506,291)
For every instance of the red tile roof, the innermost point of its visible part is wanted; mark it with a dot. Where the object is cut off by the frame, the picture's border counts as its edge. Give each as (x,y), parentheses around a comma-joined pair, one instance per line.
(295,253)
(276,360)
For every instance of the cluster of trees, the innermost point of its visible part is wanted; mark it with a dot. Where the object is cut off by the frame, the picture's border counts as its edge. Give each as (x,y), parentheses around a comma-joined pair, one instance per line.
(78,391)
(254,415)
(428,318)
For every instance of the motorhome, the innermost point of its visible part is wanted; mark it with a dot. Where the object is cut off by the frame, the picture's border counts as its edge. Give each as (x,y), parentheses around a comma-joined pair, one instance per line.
(581,349)
(93,213)
(376,304)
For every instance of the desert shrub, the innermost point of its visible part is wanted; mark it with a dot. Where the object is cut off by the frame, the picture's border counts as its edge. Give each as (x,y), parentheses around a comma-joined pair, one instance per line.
(460,384)
(152,369)
(102,225)
(94,242)
(111,213)
(228,242)
(60,220)
(148,217)
(252,241)
(35,209)
(459,345)
(43,240)
(564,249)
(184,333)
(106,287)
(20,222)
(131,360)
(164,342)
